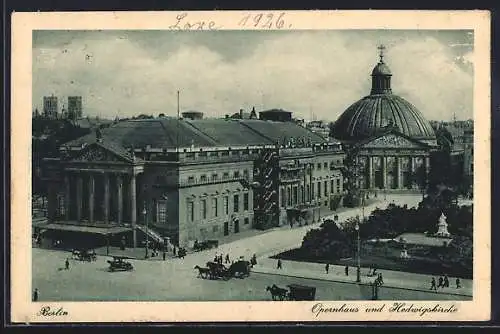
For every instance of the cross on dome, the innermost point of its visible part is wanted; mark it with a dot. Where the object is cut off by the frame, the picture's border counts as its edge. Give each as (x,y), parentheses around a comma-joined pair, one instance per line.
(381,48)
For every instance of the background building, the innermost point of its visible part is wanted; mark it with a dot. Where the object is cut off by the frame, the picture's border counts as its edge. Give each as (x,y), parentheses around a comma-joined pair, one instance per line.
(50,106)
(75,107)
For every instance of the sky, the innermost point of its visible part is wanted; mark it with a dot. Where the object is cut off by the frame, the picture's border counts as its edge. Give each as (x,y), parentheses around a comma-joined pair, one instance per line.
(314,74)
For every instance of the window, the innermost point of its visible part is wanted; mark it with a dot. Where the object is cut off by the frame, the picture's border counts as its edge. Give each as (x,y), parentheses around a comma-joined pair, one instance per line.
(190,211)
(215,228)
(214,154)
(191,179)
(245,173)
(326,188)
(338,185)
(224,153)
(61,208)
(234,153)
(312,191)
(331,187)
(283,197)
(236,174)
(319,166)
(289,196)
(203,178)
(319,189)
(236,203)
(190,155)
(226,205)
(161,212)
(202,154)
(225,176)
(245,201)
(246,221)
(203,209)
(215,177)
(325,165)
(214,207)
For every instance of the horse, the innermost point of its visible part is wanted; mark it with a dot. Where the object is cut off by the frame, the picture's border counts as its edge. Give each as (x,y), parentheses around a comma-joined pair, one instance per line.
(202,272)
(277,292)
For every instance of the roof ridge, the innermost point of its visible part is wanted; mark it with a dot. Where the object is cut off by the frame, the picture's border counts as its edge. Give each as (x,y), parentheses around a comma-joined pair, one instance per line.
(200,132)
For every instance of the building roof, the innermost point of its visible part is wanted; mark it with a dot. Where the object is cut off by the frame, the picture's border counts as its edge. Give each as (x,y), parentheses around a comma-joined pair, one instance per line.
(374,113)
(379,110)
(168,132)
(381,69)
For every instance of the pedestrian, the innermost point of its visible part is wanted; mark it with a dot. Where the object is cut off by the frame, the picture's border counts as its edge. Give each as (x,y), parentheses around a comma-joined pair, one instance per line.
(433,284)
(175,253)
(446,281)
(216,258)
(346,269)
(457,282)
(227,258)
(380,279)
(66,264)
(164,255)
(35,295)
(327,267)
(440,282)
(279,264)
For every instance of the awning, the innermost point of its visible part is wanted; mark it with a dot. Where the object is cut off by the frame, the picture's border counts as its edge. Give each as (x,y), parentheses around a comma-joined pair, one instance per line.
(86,229)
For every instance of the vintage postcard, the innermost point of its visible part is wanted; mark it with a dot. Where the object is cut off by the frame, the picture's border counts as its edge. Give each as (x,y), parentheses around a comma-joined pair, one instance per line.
(250,166)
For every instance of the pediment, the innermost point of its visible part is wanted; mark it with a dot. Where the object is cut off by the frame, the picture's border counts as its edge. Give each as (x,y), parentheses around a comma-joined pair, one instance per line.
(393,141)
(99,153)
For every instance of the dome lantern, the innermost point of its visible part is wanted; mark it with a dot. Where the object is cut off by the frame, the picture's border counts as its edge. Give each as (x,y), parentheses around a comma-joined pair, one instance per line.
(381,76)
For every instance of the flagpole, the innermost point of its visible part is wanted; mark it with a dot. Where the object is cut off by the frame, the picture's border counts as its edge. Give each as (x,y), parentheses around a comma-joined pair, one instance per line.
(178,121)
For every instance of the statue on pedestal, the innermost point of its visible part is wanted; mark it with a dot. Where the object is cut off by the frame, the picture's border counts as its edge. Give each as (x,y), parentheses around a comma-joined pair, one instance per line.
(442,227)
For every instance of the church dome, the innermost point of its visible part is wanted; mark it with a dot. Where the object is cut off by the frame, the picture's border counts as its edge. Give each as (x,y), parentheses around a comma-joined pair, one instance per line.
(380,111)
(381,69)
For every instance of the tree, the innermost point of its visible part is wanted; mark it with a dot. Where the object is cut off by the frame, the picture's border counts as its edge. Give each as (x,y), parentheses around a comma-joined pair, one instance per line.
(352,174)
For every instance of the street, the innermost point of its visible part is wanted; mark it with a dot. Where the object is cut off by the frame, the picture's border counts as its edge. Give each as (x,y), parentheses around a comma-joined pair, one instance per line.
(176,279)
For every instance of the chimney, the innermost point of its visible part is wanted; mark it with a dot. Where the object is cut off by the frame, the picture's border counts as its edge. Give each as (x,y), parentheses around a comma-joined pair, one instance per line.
(241,113)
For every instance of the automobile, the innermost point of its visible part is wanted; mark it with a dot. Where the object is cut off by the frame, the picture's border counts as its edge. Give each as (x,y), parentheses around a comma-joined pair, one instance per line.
(119,264)
(207,244)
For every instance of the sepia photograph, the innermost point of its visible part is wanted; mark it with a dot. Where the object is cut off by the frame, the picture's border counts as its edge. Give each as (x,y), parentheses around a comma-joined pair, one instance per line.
(187,164)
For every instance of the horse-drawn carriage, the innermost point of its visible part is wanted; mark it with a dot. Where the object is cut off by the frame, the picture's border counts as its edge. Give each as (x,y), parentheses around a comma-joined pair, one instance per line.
(214,270)
(295,292)
(84,255)
(203,245)
(119,264)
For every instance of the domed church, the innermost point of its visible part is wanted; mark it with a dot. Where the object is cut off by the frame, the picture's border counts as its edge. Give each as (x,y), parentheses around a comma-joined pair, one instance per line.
(390,136)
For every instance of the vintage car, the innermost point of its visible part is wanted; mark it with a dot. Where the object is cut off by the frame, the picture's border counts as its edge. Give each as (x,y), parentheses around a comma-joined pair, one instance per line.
(119,264)
(207,244)
(301,292)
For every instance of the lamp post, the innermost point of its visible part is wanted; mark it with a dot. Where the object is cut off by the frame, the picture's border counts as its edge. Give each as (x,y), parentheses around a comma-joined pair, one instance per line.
(358,271)
(144,212)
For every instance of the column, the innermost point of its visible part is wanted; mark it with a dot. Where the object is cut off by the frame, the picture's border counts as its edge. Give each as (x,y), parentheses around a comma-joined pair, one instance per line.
(412,173)
(52,202)
(106,197)
(66,196)
(91,198)
(398,169)
(79,187)
(384,171)
(119,196)
(370,173)
(133,207)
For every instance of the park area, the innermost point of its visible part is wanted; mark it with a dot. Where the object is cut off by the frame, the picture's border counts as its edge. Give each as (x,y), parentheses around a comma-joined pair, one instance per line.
(395,238)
